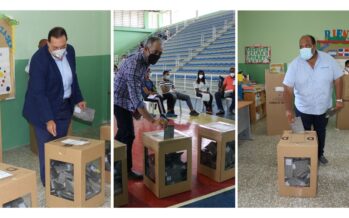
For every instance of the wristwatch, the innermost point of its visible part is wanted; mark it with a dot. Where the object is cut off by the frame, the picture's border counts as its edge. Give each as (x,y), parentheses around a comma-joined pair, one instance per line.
(339,100)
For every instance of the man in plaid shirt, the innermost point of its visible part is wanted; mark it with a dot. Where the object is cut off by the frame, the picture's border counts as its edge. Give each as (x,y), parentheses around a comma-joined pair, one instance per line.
(128,99)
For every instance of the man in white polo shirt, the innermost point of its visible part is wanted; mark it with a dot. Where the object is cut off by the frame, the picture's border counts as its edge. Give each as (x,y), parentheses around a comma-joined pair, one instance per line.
(310,78)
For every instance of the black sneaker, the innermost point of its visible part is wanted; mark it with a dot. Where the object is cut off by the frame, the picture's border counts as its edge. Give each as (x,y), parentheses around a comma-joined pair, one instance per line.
(134,176)
(323,160)
(170,114)
(194,113)
(220,113)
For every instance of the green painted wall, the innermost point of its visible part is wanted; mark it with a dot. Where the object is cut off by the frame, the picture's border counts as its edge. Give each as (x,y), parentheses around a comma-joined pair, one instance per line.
(88,31)
(93,65)
(128,38)
(282,30)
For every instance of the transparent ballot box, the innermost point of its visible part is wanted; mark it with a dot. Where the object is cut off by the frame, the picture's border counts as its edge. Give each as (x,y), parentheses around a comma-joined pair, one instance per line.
(297,172)
(120,175)
(230,155)
(62,179)
(76,173)
(216,146)
(208,152)
(21,202)
(167,162)
(93,178)
(18,187)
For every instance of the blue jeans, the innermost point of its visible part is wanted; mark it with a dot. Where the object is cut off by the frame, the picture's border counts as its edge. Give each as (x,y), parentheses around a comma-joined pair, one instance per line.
(319,122)
(219,96)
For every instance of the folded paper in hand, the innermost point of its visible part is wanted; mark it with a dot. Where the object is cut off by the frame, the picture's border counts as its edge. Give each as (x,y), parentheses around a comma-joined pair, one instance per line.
(88,114)
(297,126)
(330,112)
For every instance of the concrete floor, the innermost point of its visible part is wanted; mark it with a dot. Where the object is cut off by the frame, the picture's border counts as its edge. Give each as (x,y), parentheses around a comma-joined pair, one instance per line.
(24,157)
(257,178)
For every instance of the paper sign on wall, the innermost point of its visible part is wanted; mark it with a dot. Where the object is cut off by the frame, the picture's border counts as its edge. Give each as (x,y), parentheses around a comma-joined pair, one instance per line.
(257,54)
(5,71)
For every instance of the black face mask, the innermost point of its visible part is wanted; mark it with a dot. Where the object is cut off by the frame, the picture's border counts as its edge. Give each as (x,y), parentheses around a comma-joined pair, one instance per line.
(153,58)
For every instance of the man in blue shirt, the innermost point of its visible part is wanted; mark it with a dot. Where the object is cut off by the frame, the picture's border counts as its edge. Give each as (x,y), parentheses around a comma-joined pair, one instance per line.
(310,78)
(53,91)
(128,99)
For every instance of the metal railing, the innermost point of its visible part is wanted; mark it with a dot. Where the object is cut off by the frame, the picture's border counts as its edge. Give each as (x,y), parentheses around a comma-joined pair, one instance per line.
(184,82)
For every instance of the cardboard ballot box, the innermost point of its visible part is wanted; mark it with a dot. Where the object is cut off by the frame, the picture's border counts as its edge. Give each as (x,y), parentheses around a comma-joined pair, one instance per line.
(167,163)
(216,151)
(345,87)
(342,119)
(276,111)
(104,134)
(297,156)
(32,137)
(17,187)
(74,172)
(120,175)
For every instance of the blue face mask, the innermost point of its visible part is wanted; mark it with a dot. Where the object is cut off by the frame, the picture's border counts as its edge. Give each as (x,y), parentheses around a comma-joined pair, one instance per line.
(305,53)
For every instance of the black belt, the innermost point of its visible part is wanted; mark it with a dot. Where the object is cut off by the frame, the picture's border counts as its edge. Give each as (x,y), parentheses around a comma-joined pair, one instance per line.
(66,100)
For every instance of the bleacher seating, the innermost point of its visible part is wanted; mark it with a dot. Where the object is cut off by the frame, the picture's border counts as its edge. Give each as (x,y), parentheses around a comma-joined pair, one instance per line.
(214,59)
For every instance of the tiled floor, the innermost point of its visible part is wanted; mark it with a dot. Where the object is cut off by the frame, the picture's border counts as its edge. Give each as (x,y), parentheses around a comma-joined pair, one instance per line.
(24,157)
(257,184)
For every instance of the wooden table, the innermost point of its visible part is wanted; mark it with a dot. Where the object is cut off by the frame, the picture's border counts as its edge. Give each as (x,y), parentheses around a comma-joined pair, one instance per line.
(244,123)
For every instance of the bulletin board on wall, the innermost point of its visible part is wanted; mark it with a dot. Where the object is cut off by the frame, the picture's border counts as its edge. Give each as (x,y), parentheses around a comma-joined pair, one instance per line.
(257,54)
(7,61)
(338,49)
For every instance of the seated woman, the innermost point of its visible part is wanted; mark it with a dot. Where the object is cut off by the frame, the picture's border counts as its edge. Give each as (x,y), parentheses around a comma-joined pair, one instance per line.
(202,91)
(150,94)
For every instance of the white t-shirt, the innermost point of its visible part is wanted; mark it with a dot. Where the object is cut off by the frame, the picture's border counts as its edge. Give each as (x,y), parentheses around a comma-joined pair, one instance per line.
(202,87)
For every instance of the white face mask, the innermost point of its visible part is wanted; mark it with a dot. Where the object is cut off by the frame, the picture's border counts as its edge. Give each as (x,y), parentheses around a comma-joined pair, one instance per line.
(201,76)
(232,74)
(305,53)
(167,77)
(347,69)
(58,53)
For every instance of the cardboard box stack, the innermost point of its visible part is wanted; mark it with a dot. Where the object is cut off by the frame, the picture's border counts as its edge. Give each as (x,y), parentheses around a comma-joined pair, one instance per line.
(297,156)
(75,172)
(276,118)
(120,175)
(343,114)
(104,134)
(167,162)
(17,187)
(216,146)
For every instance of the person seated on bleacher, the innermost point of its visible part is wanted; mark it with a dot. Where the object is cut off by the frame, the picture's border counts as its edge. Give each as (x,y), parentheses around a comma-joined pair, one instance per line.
(150,94)
(169,92)
(202,91)
(227,90)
